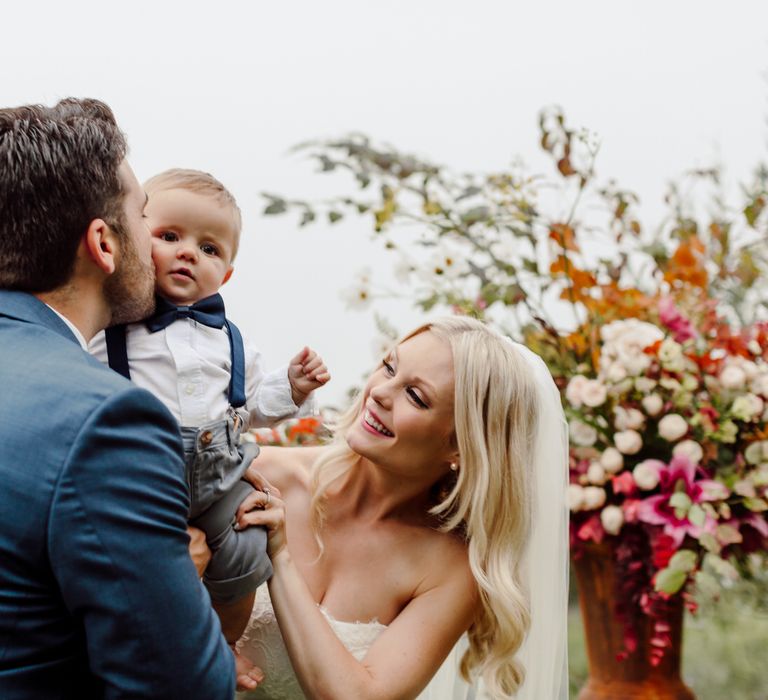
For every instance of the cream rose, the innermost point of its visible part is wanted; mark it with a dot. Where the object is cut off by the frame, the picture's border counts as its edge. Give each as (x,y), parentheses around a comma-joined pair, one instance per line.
(582,434)
(628,418)
(574,389)
(644,384)
(672,427)
(594,497)
(671,355)
(575,497)
(628,442)
(653,403)
(593,393)
(747,407)
(612,460)
(690,449)
(596,474)
(733,377)
(646,475)
(612,518)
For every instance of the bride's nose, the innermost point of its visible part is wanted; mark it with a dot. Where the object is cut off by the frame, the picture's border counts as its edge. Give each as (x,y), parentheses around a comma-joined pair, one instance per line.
(381,393)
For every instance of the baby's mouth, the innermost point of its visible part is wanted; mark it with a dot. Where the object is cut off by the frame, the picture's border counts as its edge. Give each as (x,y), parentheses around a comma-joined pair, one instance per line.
(184,272)
(372,421)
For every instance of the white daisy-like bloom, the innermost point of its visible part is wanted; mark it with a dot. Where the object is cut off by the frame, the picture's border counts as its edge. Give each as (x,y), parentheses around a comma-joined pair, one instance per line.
(444,263)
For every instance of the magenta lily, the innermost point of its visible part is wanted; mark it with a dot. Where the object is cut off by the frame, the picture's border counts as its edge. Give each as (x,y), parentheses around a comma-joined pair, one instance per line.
(679,477)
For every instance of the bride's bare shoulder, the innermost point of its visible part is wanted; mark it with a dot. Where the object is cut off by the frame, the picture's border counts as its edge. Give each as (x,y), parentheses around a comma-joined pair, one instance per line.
(284,465)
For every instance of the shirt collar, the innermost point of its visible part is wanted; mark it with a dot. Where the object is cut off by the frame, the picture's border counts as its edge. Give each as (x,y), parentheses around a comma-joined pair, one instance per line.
(75,330)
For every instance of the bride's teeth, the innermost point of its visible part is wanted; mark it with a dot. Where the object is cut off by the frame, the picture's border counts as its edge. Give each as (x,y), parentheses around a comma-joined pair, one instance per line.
(375,424)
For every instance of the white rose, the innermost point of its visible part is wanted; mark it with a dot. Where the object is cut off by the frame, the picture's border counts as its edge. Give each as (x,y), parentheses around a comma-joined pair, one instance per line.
(750,369)
(646,475)
(612,460)
(616,373)
(628,418)
(582,434)
(596,474)
(672,427)
(575,497)
(628,442)
(624,342)
(612,518)
(733,377)
(747,407)
(574,389)
(690,449)
(754,347)
(644,384)
(594,497)
(593,393)
(670,383)
(653,403)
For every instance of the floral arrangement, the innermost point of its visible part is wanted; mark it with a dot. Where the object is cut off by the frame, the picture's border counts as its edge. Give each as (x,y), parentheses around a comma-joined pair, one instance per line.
(301,431)
(658,341)
(670,454)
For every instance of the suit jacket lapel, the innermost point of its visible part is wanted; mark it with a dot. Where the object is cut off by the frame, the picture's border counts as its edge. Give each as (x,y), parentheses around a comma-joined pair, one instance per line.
(26,307)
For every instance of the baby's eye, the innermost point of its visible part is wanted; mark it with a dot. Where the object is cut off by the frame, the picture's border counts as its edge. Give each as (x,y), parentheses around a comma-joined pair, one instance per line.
(169,236)
(388,368)
(209,249)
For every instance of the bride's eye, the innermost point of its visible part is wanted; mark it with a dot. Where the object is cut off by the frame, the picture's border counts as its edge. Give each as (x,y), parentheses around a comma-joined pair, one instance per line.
(388,368)
(416,398)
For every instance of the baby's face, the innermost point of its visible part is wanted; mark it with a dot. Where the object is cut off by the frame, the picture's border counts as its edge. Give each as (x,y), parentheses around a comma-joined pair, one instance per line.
(194,238)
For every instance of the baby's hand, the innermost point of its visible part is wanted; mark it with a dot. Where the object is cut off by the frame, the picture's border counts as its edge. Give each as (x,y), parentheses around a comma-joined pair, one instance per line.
(306,372)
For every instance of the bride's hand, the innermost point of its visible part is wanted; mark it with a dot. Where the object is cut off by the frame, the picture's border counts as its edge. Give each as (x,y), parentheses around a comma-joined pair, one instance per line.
(263,507)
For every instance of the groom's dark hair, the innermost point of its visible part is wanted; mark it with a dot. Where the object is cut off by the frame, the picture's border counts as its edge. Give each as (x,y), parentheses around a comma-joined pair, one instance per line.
(58,172)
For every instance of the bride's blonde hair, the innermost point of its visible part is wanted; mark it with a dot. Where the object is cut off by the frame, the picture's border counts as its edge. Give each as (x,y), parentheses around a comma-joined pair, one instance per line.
(489,500)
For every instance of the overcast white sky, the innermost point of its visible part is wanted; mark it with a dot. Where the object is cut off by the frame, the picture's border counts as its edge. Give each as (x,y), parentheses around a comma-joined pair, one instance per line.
(229,87)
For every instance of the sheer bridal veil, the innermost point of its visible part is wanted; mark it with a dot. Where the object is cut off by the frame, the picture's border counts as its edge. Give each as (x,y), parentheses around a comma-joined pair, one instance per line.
(544,653)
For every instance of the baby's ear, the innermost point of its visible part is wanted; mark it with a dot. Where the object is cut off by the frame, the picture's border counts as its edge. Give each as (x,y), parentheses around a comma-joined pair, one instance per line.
(227,275)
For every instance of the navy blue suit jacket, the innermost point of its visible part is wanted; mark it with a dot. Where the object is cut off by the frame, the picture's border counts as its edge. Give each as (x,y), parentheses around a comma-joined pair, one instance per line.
(98,595)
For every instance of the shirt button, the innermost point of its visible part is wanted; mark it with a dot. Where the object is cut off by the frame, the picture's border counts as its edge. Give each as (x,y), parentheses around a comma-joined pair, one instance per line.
(190,389)
(206,437)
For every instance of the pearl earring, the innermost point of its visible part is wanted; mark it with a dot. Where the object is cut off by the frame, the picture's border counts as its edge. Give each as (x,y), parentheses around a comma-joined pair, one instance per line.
(454,467)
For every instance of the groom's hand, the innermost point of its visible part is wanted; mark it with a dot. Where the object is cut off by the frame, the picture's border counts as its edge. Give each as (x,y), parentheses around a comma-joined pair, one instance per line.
(247,675)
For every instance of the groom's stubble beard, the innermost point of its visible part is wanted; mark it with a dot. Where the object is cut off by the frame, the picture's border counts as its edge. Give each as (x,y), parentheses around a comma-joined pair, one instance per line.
(130,290)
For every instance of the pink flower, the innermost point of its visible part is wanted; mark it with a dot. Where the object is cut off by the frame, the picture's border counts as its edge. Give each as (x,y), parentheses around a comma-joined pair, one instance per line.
(624,483)
(682,329)
(678,477)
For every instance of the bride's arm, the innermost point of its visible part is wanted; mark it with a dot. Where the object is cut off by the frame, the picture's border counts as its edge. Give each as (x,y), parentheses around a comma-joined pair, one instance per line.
(402,659)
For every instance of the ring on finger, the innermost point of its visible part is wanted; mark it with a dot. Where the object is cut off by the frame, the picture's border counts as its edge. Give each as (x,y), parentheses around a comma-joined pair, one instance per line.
(269,498)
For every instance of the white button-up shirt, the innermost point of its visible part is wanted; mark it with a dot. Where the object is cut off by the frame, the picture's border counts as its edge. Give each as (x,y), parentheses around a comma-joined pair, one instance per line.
(187,366)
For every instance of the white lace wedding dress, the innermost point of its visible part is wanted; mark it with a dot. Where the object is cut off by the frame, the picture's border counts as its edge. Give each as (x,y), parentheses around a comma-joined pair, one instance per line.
(263,645)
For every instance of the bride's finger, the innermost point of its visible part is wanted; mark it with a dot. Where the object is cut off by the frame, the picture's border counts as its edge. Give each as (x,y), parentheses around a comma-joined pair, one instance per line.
(257,500)
(256,479)
(273,519)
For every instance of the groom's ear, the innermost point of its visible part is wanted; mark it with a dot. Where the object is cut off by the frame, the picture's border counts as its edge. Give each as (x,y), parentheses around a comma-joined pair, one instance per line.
(99,246)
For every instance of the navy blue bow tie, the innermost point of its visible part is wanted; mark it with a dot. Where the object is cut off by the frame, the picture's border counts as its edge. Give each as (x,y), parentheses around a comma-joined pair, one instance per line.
(208,311)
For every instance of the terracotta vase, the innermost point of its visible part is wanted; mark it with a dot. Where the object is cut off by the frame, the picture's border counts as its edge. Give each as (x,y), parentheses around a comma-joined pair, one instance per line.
(634,678)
